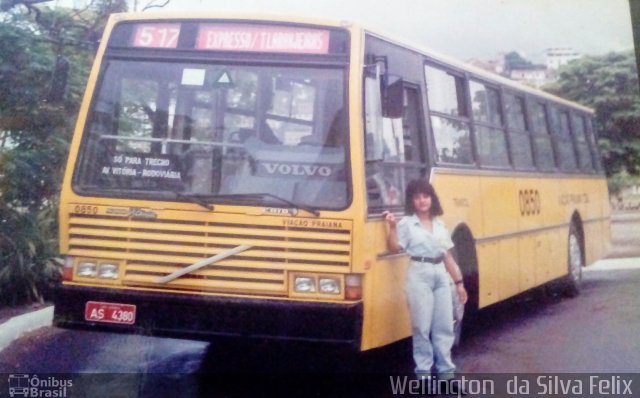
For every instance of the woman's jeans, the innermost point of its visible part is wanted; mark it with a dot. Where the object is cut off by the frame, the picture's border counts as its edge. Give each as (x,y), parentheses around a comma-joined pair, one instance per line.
(429,296)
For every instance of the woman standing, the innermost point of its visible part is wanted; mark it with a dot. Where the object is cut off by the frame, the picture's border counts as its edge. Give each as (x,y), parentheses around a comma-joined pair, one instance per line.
(426,239)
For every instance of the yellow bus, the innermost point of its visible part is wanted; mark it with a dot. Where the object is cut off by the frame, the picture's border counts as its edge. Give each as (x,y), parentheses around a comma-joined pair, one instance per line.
(228,174)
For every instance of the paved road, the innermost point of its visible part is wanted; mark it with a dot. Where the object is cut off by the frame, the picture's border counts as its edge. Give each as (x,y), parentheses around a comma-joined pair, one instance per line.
(541,332)
(594,332)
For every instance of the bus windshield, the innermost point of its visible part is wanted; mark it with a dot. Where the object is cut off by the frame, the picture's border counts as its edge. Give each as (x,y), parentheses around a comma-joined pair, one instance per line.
(229,133)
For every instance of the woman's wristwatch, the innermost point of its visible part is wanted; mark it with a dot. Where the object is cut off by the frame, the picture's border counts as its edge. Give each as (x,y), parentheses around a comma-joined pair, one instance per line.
(459,282)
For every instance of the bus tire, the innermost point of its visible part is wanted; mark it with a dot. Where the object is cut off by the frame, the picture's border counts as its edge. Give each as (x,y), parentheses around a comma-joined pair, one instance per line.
(464,253)
(575,261)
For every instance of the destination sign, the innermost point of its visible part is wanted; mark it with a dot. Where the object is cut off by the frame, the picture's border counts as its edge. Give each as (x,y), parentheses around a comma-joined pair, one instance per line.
(262,38)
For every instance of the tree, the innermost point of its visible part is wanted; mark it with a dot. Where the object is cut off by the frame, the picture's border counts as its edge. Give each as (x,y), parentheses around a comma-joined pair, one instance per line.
(45,57)
(513,60)
(609,84)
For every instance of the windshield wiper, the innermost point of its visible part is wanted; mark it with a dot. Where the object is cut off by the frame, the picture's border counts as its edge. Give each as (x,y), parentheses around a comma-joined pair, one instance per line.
(295,205)
(194,199)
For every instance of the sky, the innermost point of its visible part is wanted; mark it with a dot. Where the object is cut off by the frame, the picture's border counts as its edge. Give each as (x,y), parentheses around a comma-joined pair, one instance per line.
(465,28)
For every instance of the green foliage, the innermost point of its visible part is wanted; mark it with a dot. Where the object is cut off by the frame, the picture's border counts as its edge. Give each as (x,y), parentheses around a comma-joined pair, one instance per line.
(619,181)
(27,247)
(514,60)
(609,84)
(38,124)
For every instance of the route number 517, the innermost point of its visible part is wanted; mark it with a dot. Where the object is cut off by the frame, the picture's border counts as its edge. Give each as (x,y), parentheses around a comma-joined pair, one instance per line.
(157,35)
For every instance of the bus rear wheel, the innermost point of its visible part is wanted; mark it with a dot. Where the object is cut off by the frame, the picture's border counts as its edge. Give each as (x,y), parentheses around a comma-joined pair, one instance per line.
(575,260)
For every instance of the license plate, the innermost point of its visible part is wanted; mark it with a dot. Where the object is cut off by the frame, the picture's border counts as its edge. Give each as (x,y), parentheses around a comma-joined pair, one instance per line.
(96,311)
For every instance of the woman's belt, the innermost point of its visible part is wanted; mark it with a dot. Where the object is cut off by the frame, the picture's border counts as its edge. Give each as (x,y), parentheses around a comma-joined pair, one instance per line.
(432,260)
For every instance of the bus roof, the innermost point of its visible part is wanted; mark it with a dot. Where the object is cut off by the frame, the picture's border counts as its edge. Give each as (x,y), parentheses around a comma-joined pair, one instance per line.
(356,27)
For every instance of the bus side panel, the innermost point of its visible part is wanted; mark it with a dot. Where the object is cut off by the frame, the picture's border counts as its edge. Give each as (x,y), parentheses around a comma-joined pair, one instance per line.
(509,274)
(597,234)
(588,198)
(500,219)
(386,315)
(553,238)
(461,198)
(527,256)
(558,265)
(592,247)
(488,258)
(529,215)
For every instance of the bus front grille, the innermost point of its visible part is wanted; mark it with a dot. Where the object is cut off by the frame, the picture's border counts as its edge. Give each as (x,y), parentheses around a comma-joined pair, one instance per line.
(153,248)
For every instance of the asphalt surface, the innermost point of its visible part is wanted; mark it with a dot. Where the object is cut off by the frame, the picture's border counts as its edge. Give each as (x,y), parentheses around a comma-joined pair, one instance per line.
(540,332)
(545,332)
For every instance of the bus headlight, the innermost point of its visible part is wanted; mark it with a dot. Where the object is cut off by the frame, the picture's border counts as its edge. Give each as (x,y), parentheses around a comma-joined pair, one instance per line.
(304,284)
(108,271)
(329,285)
(87,269)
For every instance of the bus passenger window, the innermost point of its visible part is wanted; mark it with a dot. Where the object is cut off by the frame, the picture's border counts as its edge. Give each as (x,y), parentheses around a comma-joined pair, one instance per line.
(453,141)
(543,148)
(449,120)
(591,138)
(490,135)
(518,132)
(562,136)
(584,152)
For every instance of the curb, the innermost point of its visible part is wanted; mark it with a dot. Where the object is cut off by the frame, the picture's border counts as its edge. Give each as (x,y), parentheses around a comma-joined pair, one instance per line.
(17,326)
(614,264)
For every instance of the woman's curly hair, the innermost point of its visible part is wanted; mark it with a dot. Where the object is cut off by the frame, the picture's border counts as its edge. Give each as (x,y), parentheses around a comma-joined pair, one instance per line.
(421,185)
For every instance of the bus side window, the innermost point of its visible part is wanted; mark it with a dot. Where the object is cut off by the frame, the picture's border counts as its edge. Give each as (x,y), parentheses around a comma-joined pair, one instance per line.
(401,155)
(580,136)
(561,134)
(593,144)
(373,119)
(518,132)
(543,148)
(491,141)
(448,115)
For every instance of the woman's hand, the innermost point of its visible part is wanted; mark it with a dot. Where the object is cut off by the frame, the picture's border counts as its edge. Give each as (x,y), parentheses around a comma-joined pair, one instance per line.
(392,233)
(390,219)
(462,293)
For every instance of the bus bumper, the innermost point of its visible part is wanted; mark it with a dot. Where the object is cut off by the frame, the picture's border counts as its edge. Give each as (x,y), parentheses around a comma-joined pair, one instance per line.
(206,317)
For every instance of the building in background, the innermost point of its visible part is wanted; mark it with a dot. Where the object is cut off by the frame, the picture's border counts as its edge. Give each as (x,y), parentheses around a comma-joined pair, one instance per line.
(533,75)
(515,66)
(559,56)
